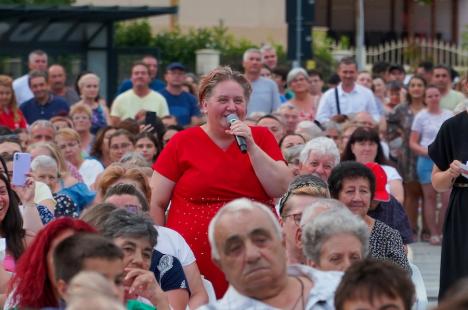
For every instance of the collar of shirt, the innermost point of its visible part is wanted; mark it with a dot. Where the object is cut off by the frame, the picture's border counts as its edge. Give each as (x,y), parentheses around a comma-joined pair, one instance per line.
(342,93)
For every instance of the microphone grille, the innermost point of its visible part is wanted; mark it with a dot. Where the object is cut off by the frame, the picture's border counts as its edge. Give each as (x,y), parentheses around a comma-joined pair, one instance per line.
(232,118)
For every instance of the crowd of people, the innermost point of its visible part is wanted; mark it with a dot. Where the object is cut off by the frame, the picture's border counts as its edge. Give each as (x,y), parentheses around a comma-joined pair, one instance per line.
(266,189)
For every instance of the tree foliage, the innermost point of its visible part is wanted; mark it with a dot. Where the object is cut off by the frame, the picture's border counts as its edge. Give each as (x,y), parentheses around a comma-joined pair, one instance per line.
(178,45)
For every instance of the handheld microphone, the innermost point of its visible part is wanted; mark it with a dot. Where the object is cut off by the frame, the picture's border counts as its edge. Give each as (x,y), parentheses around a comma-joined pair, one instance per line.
(231,118)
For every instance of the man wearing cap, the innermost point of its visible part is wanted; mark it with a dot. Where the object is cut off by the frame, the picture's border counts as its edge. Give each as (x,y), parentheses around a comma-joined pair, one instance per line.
(386,208)
(134,103)
(182,104)
(155,83)
(396,73)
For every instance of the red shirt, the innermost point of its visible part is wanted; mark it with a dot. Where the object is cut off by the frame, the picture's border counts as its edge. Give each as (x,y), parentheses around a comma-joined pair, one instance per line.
(207,177)
(7,119)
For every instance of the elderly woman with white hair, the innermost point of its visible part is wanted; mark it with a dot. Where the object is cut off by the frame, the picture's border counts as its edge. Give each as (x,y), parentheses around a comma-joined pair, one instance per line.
(306,104)
(334,240)
(319,156)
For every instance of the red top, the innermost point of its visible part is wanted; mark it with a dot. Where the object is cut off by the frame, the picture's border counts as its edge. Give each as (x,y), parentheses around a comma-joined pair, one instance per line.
(206,178)
(7,119)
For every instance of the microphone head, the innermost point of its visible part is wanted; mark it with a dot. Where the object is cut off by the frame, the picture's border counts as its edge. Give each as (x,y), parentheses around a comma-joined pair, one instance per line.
(232,118)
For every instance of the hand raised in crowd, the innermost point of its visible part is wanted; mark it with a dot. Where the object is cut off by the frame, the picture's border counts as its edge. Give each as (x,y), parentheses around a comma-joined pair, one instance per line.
(26,192)
(139,282)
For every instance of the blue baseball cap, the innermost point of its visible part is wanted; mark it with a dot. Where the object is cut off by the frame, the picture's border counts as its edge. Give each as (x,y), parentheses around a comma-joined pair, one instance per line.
(176,66)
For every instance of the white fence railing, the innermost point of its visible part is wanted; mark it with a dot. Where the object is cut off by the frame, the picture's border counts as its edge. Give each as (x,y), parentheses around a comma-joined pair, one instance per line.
(411,52)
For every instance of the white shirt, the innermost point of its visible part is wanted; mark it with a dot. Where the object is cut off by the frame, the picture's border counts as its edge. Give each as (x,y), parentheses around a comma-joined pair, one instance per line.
(89,170)
(22,91)
(360,99)
(172,243)
(321,296)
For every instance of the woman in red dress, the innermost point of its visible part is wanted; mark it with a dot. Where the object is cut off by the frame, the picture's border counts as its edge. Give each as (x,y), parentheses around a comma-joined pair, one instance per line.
(202,168)
(10,114)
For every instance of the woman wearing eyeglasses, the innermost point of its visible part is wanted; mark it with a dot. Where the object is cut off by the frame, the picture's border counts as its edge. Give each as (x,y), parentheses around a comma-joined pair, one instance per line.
(69,143)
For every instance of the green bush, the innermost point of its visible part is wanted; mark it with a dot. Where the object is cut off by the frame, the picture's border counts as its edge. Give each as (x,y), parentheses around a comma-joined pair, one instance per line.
(180,46)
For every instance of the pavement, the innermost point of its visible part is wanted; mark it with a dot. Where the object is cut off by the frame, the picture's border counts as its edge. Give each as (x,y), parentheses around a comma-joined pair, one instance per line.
(427,258)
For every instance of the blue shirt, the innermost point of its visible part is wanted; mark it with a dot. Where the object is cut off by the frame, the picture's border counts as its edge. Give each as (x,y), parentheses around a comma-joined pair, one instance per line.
(155,85)
(182,106)
(34,111)
(393,214)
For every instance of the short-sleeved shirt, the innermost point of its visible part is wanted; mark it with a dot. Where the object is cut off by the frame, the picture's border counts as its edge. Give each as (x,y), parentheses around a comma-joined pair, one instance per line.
(128,104)
(172,243)
(89,170)
(265,97)
(451,100)
(34,111)
(360,99)
(428,125)
(182,106)
(168,272)
(22,91)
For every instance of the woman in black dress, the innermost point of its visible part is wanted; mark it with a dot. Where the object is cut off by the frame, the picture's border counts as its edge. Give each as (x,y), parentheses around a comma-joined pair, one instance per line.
(449,151)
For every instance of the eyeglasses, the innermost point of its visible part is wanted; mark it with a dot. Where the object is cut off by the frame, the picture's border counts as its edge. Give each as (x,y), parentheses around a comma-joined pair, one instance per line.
(119,146)
(296,218)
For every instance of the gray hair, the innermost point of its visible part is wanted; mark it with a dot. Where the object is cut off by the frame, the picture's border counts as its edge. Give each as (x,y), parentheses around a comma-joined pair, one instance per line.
(329,223)
(331,125)
(309,128)
(293,152)
(238,206)
(267,47)
(43,123)
(134,159)
(250,51)
(320,146)
(45,162)
(294,73)
(318,206)
(36,53)
(122,223)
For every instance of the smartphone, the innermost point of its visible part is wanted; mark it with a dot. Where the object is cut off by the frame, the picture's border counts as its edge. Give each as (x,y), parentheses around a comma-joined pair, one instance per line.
(21,167)
(150,118)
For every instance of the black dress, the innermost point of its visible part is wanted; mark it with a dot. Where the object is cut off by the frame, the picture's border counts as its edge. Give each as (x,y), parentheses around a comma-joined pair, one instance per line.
(451,144)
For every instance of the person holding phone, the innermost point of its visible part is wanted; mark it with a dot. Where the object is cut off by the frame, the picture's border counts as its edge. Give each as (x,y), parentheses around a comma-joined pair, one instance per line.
(449,152)
(202,168)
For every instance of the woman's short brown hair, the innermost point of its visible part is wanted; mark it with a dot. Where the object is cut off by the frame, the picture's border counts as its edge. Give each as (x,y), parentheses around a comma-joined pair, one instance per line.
(221,74)
(81,108)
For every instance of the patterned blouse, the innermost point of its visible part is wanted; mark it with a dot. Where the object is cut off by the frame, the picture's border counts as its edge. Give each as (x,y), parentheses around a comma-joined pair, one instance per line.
(385,243)
(398,133)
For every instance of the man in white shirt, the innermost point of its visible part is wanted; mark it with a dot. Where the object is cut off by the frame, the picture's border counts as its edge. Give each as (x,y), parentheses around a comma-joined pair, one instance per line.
(135,102)
(37,61)
(247,245)
(348,97)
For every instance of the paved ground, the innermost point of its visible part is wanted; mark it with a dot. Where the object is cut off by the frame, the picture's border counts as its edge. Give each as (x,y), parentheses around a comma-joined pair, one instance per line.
(427,258)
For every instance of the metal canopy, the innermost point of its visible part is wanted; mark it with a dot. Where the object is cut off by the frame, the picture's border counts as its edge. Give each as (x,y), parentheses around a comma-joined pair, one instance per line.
(59,30)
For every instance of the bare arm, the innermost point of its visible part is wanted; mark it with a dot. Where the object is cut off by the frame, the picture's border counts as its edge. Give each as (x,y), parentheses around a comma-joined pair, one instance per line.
(161,192)
(178,299)
(415,137)
(396,189)
(274,175)
(199,296)
(442,181)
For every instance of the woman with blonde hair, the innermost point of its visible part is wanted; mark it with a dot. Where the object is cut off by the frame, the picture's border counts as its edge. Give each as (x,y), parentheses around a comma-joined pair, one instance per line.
(81,116)
(10,114)
(69,144)
(88,88)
